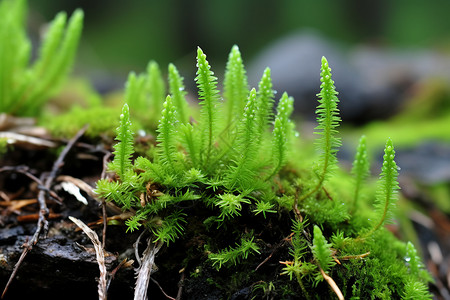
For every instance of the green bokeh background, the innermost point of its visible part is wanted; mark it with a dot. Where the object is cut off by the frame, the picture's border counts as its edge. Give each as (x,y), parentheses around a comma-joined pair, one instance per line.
(120,36)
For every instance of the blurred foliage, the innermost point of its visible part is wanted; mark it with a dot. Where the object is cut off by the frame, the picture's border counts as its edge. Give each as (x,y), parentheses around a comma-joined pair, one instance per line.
(422,118)
(126,35)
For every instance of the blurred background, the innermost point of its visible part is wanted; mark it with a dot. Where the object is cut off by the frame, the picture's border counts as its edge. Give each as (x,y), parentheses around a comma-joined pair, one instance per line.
(377,49)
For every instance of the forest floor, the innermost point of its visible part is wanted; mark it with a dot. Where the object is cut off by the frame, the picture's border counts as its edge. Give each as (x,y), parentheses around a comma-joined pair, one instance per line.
(44,180)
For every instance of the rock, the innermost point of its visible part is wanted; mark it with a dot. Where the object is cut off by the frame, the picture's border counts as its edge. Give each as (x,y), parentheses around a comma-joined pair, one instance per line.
(372,81)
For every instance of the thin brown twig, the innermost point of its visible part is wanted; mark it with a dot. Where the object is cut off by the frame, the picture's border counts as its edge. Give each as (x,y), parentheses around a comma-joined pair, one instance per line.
(26,171)
(327,193)
(42,224)
(105,223)
(360,256)
(332,284)
(277,246)
(102,176)
(180,286)
(164,293)
(295,207)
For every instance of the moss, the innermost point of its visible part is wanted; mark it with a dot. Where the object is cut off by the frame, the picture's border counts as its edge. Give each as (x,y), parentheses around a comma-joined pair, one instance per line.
(244,195)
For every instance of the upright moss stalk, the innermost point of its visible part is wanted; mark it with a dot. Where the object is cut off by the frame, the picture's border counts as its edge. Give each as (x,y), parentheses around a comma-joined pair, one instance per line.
(124,149)
(235,87)
(388,187)
(246,146)
(209,96)
(328,120)
(282,133)
(177,90)
(167,136)
(360,169)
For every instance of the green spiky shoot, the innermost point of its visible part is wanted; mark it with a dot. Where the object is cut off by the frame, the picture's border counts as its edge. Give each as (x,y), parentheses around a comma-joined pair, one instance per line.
(167,135)
(235,86)
(233,256)
(177,90)
(246,149)
(360,169)
(328,121)
(282,133)
(209,96)
(156,89)
(387,193)
(135,93)
(124,149)
(230,205)
(265,100)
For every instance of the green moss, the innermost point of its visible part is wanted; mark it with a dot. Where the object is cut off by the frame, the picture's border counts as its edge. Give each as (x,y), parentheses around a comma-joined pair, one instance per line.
(242,182)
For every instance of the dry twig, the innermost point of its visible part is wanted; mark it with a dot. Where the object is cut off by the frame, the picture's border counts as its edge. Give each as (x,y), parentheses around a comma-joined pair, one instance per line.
(332,284)
(145,270)
(99,254)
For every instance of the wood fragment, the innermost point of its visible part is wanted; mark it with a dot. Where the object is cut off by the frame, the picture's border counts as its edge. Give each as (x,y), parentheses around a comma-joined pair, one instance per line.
(8,121)
(145,270)
(34,217)
(14,138)
(100,255)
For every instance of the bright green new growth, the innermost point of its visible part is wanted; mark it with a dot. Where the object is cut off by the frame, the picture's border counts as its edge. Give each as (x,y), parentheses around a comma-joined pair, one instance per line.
(155,89)
(235,86)
(124,149)
(281,136)
(328,120)
(265,100)
(413,260)
(246,149)
(230,205)
(176,88)
(216,173)
(145,94)
(416,290)
(209,96)
(360,168)
(388,187)
(322,250)
(24,89)
(166,137)
(135,92)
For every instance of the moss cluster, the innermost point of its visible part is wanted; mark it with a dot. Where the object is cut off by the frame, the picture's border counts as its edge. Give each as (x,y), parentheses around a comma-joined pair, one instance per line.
(230,180)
